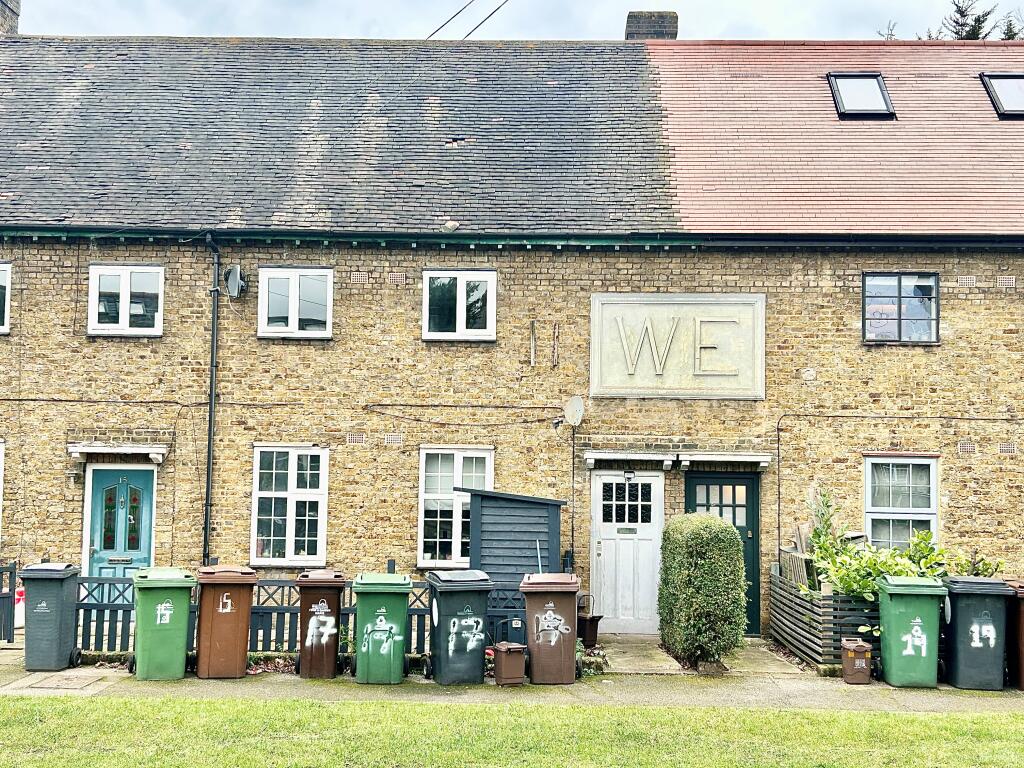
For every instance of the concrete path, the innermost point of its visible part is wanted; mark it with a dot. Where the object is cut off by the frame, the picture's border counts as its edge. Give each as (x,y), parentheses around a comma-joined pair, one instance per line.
(803,690)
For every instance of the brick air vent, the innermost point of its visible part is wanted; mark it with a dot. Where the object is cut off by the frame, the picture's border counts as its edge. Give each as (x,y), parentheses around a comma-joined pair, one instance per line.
(392,438)
(396,278)
(359,277)
(966,447)
(1006,281)
(1008,449)
(355,438)
(966,281)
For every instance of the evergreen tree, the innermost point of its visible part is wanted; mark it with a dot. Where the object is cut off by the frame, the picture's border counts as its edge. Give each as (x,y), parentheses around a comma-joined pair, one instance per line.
(964,23)
(1010,29)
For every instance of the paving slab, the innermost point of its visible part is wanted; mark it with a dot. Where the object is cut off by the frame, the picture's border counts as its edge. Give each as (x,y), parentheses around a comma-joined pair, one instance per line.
(84,681)
(638,655)
(756,658)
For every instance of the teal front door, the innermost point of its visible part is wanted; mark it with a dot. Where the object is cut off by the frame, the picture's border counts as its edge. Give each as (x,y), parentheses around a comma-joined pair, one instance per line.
(121,515)
(734,496)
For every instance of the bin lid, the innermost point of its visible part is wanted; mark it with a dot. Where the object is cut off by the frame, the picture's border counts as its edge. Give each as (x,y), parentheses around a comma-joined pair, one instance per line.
(163,577)
(855,644)
(459,581)
(320,577)
(227,574)
(49,571)
(910,585)
(382,582)
(978,585)
(550,582)
(1017,583)
(506,647)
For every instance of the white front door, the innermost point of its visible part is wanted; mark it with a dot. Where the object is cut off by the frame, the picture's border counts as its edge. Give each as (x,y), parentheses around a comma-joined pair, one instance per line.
(625,552)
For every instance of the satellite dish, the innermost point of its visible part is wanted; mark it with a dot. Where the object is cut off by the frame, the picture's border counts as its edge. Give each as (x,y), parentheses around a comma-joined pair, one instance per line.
(235,281)
(573,411)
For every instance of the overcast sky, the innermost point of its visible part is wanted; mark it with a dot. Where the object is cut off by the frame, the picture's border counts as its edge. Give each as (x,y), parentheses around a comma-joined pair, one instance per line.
(519,19)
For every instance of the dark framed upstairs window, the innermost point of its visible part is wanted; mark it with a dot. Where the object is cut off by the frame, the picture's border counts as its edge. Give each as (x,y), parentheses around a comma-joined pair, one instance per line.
(1006,89)
(900,308)
(860,94)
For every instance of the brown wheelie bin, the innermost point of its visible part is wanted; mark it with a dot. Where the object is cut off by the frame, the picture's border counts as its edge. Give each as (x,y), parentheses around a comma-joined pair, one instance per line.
(319,611)
(1015,633)
(225,604)
(551,626)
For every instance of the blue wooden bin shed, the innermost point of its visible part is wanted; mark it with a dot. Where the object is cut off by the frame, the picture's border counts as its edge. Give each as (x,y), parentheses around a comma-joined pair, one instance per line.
(506,531)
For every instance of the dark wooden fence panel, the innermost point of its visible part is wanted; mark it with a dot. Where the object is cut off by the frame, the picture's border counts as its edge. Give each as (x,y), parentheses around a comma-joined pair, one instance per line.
(106,615)
(506,613)
(8,583)
(812,625)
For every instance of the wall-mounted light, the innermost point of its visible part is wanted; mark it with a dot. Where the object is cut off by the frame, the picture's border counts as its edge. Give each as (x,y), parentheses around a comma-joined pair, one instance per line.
(629,474)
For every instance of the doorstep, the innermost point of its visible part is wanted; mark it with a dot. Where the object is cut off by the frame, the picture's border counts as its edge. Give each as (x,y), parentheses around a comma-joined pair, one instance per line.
(637,655)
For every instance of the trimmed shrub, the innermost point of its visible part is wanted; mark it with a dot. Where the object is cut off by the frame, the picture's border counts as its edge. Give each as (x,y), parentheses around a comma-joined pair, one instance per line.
(702,594)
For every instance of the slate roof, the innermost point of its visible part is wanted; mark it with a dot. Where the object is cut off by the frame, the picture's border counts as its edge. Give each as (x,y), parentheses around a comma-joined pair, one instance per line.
(506,138)
(330,135)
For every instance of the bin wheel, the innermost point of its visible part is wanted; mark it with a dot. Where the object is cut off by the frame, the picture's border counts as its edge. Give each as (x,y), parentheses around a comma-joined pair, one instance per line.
(428,668)
(352,669)
(191,662)
(76,658)
(298,663)
(526,662)
(405,665)
(131,664)
(579,668)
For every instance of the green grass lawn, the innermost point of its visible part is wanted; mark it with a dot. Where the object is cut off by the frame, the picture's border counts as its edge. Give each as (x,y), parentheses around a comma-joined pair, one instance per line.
(91,732)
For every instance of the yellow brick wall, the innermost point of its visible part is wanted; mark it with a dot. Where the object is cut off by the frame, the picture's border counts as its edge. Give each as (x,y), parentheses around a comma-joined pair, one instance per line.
(376,377)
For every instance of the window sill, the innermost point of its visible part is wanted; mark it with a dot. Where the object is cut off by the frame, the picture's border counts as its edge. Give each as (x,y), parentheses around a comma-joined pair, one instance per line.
(295,336)
(457,337)
(444,565)
(868,343)
(155,334)
(269,563)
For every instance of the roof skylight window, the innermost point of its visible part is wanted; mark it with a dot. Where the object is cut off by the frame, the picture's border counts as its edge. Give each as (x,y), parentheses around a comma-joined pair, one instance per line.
(860,94)
(1006,89)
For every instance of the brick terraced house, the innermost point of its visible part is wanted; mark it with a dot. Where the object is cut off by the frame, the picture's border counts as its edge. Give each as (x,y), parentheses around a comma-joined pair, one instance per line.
(765,266)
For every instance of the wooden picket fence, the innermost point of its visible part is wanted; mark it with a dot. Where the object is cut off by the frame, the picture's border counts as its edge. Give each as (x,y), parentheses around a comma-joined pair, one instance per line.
(813,624)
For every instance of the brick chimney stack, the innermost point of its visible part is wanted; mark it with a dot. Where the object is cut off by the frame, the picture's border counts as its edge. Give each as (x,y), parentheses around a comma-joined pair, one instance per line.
(10,10)
(649,25)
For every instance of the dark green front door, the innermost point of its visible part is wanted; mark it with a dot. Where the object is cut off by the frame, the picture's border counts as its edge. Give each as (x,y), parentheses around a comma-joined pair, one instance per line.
(734,497)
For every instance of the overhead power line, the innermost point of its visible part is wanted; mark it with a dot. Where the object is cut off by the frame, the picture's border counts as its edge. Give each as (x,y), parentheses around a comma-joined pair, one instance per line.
(451,19)
(484,21)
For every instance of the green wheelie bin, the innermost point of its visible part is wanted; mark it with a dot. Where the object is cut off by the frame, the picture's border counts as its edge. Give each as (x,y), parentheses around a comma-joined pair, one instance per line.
(382,616)
(51,591)
(976,632)
(908,608)
(458,623)
(162,600)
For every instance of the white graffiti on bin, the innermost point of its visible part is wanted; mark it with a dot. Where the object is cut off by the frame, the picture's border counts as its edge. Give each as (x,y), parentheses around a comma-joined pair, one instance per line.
(550,627)
(164,611)
(470,629)
(981,630)
(320,630)
(915,638)
(382,627)
(225,605)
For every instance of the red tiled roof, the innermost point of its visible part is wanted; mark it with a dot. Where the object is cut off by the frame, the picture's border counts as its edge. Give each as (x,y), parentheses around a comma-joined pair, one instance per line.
(755,145)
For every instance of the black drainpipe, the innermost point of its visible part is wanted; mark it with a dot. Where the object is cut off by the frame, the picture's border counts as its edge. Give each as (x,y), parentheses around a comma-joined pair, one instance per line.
(212,403)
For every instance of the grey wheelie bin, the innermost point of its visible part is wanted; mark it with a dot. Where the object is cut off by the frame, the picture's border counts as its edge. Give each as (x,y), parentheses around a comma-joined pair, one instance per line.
(51,591)
(458,626)
(976,632)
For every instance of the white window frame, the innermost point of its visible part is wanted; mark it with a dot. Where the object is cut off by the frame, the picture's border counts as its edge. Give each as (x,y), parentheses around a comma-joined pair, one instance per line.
(461,333)
(931,514)
(459,500)
(122,328)
(292,331)
(5,327)
(292,494)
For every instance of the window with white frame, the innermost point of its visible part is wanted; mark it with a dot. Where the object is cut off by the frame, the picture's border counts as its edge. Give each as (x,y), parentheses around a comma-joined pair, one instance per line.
(5,298)
(444,513)
(126,300)
(289,506)
(900,499)
(460,305)
(295,302)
